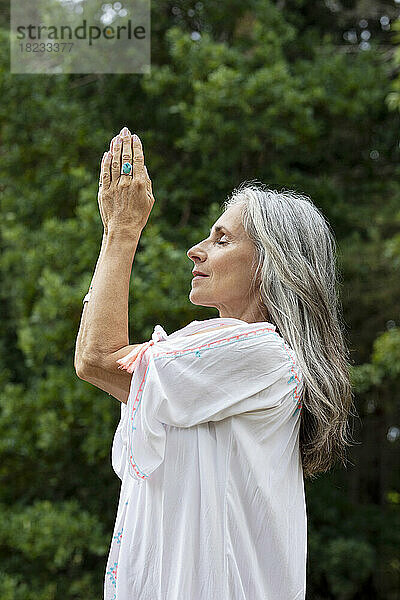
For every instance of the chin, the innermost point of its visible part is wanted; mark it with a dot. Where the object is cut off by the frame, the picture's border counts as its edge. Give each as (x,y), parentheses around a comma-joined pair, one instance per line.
(194,299)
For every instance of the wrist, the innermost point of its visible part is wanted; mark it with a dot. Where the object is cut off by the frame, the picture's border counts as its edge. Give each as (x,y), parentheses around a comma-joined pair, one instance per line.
(123,233)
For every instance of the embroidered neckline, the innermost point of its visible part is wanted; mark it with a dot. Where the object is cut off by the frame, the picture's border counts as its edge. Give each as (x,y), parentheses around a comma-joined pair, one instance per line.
(219,322)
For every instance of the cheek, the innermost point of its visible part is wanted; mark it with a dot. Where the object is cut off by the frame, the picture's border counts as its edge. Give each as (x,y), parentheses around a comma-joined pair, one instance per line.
(233,267)
(239,267)
(223,264)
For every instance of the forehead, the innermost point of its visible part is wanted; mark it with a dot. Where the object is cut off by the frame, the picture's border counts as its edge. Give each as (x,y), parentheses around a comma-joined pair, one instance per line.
(231,219)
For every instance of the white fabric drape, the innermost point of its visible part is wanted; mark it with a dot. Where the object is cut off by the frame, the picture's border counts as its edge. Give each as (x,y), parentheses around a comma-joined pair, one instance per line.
(212,498)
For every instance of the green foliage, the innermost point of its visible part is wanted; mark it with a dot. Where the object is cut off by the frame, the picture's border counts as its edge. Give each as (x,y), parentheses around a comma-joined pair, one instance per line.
(56,541)
(352,546)
(266,93)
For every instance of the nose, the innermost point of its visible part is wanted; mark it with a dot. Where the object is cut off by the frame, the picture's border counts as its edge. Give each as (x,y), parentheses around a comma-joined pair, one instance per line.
(196,253)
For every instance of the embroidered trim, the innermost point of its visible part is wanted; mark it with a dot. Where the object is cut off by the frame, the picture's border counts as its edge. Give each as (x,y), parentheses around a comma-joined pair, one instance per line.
(297,398)
(211,345)
(112,573)
(141,474)
(118,536)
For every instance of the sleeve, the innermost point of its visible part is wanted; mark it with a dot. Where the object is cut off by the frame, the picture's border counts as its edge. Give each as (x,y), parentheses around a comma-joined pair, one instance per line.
(210,382)
(209,378)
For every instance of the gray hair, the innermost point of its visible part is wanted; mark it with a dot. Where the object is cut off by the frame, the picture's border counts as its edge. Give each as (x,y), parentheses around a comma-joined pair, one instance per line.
(295,271)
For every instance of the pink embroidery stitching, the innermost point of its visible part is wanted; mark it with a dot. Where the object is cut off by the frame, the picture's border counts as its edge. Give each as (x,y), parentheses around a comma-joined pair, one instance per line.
(297,397)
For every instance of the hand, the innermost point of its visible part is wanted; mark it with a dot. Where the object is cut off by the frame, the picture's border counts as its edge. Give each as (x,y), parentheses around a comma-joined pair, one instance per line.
(125,201)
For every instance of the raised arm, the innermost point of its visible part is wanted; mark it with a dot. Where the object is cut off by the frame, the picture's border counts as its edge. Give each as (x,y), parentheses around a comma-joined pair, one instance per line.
(104,324)
(103,335)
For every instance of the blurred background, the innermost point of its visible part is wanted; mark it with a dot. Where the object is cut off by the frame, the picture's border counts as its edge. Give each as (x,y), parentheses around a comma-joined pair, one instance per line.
(299,94)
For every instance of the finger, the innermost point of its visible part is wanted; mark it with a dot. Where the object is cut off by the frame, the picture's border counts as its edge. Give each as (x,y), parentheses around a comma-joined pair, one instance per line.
(149,186)
(116,160)
(99,195)
(126,155)
(125,134)
(101,170)
(138,158)
(112,143)
(106,175)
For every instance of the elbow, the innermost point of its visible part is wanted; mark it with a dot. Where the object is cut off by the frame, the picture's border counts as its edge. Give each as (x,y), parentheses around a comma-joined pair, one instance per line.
(82,368)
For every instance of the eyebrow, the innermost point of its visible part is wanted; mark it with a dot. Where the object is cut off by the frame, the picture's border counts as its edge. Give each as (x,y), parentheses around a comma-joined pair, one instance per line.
(219,228)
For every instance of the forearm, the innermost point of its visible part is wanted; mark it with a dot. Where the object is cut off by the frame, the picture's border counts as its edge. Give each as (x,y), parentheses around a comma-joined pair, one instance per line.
(79,345)
(104,324)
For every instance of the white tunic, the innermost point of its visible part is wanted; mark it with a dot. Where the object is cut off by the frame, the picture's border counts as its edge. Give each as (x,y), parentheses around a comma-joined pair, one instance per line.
(212,503)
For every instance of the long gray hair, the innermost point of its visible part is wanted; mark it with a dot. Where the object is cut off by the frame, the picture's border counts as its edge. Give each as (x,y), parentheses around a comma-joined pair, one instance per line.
(295,273)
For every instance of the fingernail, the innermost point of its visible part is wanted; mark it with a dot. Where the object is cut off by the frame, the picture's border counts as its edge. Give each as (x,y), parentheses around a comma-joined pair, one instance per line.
(124,131)
(118,140)
(135,137)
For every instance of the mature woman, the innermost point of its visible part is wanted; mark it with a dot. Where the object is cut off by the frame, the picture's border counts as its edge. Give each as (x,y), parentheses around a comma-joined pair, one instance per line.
(221,419)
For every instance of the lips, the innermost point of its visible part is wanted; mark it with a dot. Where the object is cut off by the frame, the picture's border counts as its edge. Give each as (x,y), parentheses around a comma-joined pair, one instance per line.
(199,274)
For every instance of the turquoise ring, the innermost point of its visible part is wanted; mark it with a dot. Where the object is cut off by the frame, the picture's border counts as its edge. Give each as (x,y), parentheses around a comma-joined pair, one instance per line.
(126,168)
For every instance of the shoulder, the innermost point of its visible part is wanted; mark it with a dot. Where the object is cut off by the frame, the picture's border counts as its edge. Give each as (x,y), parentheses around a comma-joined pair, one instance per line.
(259,342)
(256,340)
(210,329)
(268,345)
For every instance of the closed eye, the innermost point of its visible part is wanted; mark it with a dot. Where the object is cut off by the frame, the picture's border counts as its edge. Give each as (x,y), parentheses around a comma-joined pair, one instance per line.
(221,242)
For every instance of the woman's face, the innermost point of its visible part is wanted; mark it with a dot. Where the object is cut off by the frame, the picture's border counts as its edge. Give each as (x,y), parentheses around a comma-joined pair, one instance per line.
(226,258)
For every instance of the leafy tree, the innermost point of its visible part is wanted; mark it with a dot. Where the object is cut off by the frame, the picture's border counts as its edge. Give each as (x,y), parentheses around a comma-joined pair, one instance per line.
(273,91)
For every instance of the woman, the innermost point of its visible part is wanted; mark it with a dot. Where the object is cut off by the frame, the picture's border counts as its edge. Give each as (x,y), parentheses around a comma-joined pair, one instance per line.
(221,419)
